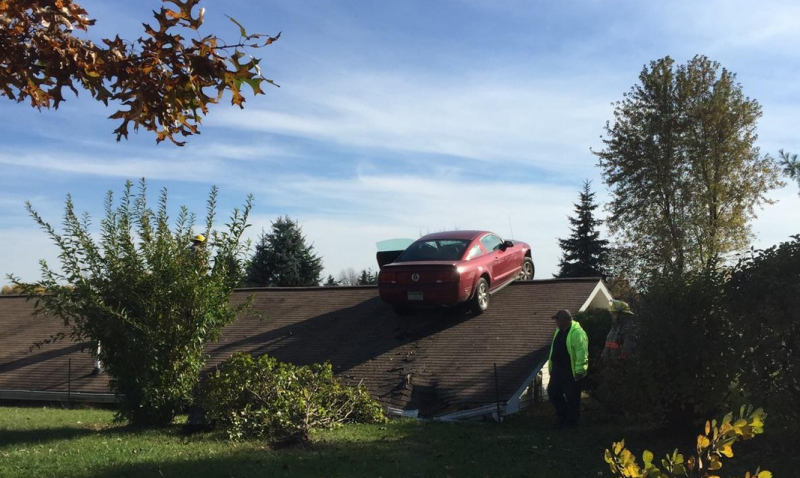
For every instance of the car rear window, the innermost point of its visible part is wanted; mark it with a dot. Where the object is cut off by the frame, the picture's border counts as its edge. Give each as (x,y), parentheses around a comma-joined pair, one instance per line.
(434,250)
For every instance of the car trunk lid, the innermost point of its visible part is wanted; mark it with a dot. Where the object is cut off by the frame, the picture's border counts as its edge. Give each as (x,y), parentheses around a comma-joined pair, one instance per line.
(390,249)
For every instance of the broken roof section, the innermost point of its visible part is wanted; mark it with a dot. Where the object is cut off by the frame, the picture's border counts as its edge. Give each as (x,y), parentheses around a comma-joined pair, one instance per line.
(436,363)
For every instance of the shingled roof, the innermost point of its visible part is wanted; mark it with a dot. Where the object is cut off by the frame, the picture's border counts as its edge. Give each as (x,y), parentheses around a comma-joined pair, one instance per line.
(437,362)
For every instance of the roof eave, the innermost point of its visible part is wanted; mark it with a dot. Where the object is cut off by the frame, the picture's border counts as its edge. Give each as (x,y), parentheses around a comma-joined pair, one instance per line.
(600,295)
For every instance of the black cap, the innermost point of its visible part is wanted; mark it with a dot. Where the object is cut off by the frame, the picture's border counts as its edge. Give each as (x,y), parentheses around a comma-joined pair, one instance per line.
(561,314)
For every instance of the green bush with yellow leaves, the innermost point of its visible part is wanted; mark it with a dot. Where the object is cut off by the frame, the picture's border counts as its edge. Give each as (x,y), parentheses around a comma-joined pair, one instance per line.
(715,443)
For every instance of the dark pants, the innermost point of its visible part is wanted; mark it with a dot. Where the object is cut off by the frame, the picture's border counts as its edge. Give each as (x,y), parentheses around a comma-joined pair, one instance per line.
(565,395)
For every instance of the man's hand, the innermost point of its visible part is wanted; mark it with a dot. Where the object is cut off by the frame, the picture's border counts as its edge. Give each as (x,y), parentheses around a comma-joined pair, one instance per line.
(578,377)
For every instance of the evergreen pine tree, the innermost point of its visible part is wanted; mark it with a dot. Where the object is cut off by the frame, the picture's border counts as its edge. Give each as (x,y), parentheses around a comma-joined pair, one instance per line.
(368,277)
(584,253)
(790,164)
(283,259)
(330,282)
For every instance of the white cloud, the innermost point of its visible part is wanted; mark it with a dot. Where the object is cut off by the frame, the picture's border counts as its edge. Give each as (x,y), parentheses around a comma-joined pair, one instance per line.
(775,223)
(14,203)
(131,167)
(207,163)
(735,25)
(238,152)
(542,123)
(22,250)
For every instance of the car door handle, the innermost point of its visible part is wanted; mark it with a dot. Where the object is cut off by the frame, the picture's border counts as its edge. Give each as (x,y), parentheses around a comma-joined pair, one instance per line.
(496,259)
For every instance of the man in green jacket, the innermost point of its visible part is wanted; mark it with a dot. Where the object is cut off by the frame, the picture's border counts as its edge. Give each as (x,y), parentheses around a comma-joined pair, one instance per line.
(568,363)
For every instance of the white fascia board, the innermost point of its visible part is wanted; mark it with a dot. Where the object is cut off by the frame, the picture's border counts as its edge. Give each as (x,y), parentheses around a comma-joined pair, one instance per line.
(490,409)
(513,405)
(600,293)
(37,395)
(400,412)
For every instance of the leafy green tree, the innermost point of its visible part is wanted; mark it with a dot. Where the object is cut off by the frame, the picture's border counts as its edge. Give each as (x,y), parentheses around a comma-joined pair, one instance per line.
(145,293)
(623,268)
(10,289)
(16,289)
(348,277)
(584,254)
(163,79)
(283,259)
(682,165)
(791,166)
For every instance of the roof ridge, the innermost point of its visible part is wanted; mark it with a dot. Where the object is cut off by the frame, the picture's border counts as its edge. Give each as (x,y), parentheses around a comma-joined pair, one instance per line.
(561,279)
(364,287)
(367,287)
(304,288)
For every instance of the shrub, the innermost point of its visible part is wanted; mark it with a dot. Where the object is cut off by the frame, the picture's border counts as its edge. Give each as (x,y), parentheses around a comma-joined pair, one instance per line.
(621,386)
(596,322)
(687,359)
(141,297)
(716,441)
(763,297)
(263,398)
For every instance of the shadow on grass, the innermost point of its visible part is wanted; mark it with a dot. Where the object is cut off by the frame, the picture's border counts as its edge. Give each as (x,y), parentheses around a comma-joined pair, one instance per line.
(39,436)
(525,445)
(407,449)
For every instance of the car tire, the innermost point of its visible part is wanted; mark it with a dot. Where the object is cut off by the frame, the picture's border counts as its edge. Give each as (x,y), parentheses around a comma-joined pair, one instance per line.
(527,271)
(480,300)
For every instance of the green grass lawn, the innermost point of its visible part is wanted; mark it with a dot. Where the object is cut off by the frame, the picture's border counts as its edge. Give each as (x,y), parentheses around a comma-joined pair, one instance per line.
(45,442)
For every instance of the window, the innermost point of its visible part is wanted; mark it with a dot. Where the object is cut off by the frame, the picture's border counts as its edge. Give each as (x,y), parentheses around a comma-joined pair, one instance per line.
(474,252)
(491,242)
(434,250)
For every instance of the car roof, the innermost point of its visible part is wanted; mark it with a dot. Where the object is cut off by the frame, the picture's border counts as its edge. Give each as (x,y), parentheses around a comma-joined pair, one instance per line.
(463,235)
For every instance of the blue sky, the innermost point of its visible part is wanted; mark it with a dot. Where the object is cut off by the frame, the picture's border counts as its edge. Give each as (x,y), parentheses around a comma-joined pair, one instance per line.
(399,118)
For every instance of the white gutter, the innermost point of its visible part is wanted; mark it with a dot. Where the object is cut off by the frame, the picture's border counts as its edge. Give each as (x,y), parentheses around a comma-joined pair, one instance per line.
(513,405)
(490,409)
(399,412)
(57,396)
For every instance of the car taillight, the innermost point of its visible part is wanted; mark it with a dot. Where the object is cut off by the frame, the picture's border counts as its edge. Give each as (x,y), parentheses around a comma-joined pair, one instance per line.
(447,276)
(387,278)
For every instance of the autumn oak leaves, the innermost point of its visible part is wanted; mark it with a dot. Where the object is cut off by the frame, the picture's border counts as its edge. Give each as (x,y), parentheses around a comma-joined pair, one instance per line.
(163,81)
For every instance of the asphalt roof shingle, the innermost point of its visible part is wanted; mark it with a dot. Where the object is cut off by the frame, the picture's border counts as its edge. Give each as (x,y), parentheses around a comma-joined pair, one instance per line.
(435,361)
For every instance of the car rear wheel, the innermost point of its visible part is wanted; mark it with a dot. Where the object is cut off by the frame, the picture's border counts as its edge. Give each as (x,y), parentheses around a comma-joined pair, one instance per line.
(526,273)
(480,301)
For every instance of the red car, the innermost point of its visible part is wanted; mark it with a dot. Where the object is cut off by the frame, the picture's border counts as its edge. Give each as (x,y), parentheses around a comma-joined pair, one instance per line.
(449,268)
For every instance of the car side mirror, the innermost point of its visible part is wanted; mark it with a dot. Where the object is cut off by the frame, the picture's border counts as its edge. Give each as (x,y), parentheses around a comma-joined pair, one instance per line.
(508,244)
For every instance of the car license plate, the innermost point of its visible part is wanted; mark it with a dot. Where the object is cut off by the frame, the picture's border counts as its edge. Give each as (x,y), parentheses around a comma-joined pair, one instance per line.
(415,296)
